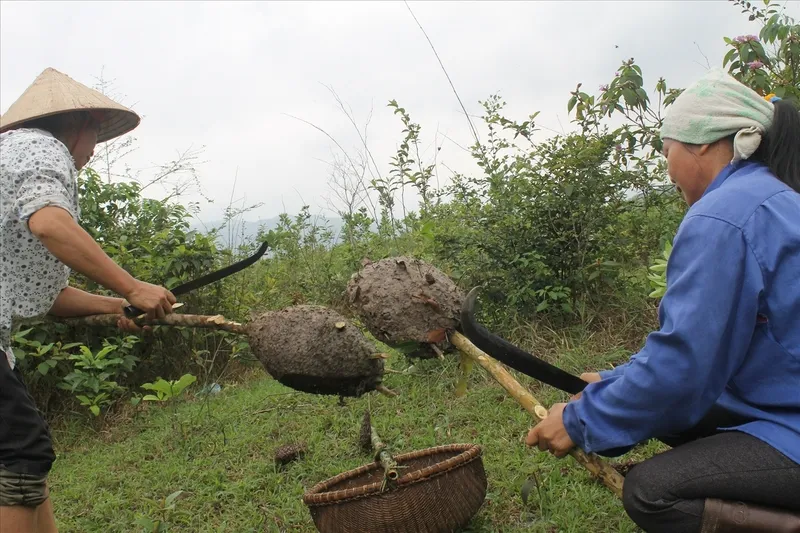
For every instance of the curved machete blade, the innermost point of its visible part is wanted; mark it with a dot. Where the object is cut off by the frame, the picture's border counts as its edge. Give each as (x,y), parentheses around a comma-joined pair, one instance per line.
(515,357)
(132,311)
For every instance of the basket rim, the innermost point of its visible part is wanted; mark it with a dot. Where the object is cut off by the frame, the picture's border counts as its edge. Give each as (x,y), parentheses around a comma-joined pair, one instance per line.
(317,495)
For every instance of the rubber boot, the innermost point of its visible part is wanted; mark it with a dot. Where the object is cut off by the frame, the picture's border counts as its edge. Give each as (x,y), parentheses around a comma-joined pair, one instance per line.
(721,516)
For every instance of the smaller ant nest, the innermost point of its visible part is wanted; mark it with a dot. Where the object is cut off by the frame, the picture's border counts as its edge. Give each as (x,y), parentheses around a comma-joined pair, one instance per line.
(403,299)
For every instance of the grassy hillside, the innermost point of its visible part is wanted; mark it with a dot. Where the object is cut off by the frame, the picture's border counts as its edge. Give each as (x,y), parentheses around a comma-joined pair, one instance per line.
(219,452)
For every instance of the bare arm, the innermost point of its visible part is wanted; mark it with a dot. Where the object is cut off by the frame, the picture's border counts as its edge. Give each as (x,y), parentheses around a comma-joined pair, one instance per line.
(70,243)
(72,302)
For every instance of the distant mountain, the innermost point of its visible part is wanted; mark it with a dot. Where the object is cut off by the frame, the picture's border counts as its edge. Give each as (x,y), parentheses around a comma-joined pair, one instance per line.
(244,230)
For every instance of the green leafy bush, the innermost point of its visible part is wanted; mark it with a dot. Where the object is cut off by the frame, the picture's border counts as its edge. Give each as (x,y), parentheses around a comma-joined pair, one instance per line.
(581,221)
(165,391)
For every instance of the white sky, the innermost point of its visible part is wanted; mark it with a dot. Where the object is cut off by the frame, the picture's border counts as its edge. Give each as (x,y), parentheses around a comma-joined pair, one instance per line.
(224,76)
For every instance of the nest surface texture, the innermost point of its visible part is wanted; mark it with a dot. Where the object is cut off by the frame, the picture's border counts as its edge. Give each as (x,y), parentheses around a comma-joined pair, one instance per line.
(314,349)
(402,299)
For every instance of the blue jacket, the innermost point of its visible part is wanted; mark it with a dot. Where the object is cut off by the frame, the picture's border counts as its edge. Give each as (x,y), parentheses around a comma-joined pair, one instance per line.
(729,327)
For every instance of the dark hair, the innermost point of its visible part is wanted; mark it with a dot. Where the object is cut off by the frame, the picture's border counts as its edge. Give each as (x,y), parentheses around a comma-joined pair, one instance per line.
(780,147)
(61,124)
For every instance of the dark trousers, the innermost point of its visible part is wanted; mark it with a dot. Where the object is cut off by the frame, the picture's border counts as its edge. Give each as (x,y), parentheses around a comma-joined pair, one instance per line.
(25,440)
(667,492)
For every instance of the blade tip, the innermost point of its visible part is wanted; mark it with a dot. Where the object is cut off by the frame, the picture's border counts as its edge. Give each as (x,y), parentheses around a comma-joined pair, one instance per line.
(468,306)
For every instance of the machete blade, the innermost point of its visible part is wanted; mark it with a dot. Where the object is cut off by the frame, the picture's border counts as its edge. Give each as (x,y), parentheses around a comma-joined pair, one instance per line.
(517,358)
(202,281)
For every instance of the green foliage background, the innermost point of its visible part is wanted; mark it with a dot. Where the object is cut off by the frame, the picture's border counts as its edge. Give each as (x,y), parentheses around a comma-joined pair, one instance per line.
(562,231)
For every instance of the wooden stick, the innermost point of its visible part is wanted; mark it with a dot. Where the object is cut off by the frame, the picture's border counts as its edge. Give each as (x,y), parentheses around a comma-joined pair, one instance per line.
(594,464)
(191,321)
(438,351)
(464,369)
(386,391)
(385,458)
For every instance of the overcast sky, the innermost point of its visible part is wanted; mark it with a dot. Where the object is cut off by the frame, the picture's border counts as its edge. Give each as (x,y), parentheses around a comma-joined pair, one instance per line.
(224,76)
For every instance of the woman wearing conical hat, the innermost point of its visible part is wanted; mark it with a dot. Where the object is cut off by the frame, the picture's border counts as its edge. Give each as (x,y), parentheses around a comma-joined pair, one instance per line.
(46,137)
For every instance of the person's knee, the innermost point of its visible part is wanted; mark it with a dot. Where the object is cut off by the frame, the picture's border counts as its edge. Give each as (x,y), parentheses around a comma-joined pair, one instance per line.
(644,495)
(45,519)
(636,492)
(18,519)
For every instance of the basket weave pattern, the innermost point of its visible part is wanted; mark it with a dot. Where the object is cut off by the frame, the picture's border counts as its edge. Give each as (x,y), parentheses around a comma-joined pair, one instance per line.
(439,491)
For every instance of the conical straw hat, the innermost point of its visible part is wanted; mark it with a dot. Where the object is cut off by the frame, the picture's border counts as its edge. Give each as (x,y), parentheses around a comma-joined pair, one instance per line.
(53,92)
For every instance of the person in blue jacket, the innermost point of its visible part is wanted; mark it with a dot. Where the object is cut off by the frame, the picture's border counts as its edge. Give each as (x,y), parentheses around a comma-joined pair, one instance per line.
(720,380)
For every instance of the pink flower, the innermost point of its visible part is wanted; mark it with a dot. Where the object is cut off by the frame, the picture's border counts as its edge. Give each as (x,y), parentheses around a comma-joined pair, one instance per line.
(755,65)
(745,38)
(603,88)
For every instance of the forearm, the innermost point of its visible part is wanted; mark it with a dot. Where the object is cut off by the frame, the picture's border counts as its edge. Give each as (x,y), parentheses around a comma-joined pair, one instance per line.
(620,369)
(72,302)
(646,401)
(706,326)
(616,371)
(70,243)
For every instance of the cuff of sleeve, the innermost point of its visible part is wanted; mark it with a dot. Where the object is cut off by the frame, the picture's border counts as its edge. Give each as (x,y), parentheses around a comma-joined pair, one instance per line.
(26,210)
(573,424)
(576,429)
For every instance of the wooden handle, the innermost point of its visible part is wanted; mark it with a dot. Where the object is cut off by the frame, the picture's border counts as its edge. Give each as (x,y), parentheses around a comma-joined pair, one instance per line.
(188,321)
(594,464)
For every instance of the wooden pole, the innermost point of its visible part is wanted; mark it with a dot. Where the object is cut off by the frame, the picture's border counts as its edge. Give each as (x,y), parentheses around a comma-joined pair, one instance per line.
(218,322)
(387,461)
(371,441)
(386,391)
(594,464)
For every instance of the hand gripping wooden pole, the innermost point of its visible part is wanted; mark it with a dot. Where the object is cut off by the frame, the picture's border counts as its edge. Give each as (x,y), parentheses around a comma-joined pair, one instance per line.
(594,464)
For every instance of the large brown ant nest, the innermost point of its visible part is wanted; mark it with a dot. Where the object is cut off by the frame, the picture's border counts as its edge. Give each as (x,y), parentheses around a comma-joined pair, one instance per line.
(314,349)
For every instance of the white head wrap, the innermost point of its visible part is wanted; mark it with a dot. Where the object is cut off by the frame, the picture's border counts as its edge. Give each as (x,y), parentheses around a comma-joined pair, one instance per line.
(717,106)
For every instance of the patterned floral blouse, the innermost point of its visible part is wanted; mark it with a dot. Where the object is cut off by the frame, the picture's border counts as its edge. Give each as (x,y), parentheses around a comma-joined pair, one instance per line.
(36,171)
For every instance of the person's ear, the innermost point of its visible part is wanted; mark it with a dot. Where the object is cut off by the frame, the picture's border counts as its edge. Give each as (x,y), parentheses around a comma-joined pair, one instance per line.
(703,149)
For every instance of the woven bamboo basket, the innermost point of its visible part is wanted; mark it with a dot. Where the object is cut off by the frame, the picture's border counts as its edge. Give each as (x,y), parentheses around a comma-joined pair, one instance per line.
(440,491)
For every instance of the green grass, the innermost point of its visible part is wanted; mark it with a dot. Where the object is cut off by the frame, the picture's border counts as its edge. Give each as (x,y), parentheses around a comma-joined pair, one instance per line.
(220,453)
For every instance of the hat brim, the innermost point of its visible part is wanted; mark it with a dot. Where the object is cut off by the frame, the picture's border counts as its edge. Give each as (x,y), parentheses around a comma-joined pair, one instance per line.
(115,123)
(53,93)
